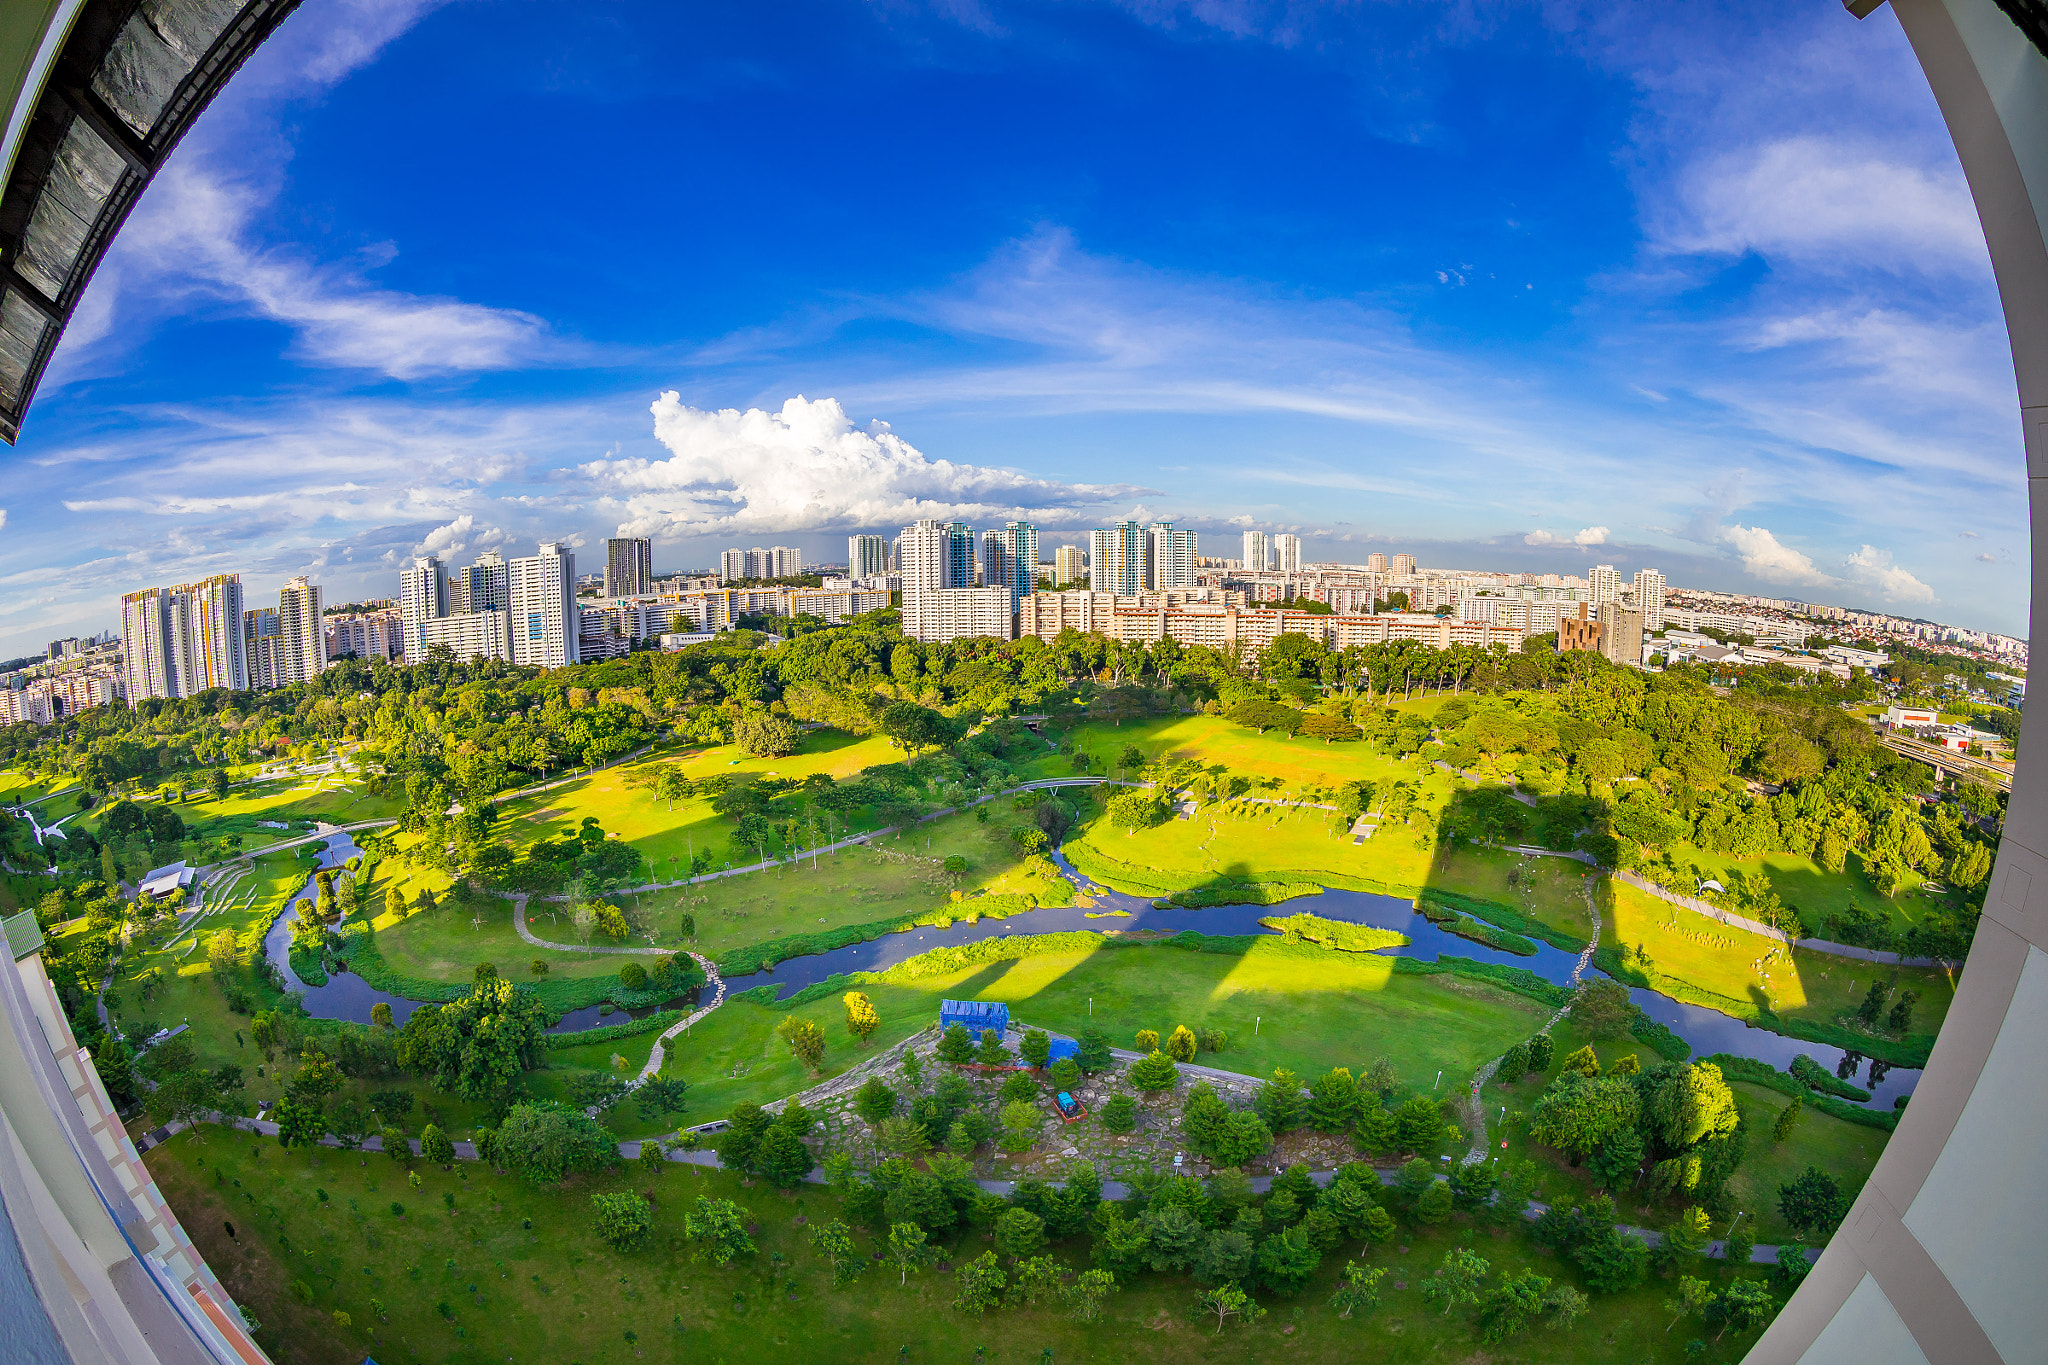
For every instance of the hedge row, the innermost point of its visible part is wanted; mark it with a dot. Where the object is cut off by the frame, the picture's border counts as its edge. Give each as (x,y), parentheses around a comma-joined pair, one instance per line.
(1345,938)
(1659,1039)
(761,957)
(1493,912)
(1911,1051)
(1520,980)
(1816,1077)
(607,1033)
(1243,893)
(1763,1073)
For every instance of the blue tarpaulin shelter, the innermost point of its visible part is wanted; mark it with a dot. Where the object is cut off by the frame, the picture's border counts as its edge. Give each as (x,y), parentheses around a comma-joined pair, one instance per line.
(1062,1047)
(975,1014)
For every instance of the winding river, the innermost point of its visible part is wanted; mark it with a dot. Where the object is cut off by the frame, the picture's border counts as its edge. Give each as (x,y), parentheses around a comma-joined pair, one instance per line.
(347,996)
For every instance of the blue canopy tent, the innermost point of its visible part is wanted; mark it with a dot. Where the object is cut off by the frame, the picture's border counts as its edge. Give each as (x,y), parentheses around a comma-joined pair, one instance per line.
(975,1014)
(1062,1047)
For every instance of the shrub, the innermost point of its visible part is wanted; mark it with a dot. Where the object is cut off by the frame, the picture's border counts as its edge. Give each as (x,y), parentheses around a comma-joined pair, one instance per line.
(1019,1088)
(622,1219)
(1181,1045)
(1147,1040)
(1120,1114)
(633,976)
(1066,1073)
(875,1101)
(1155,1072)
(435,1146)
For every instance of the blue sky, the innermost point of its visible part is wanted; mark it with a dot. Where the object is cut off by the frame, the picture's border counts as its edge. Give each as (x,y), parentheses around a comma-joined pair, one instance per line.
(1524,286)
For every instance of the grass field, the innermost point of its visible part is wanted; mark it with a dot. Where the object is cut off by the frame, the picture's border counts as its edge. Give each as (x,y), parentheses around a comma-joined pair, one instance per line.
(515,1273)
(1242,841)
(636,814)
(1848,1151)
(286,798)
(1722,960)
(1812,890)
(1552,890)
(1210,739)
(901,875)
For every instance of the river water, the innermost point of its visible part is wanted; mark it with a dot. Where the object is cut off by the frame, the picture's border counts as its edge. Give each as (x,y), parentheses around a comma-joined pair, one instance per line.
(347,996)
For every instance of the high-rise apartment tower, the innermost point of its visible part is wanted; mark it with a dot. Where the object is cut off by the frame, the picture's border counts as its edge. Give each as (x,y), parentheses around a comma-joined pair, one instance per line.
(545,618)
(628,566)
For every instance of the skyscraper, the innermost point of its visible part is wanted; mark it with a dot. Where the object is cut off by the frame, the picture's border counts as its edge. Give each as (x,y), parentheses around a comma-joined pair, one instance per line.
(1376,562)
(1116,559)
(1604,584)
(732,565)
(422,597)
(483,586)
(299,624)
(1169,556)
(1650,598)
(1069,564)
(866,556)
(1287,553)
(545,620)
(182,640)
(1258,552)
(1404,566)
(263,647)
(628,566)
(1009,558)
(940,601)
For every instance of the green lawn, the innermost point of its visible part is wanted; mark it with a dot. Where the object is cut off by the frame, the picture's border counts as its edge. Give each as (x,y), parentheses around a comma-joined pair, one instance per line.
(1211,739)
(515,1273)
(1723,960)
(901,875)
(630,809)
(446,943)
(1240,841)
(1812,890)
(1550,890)
(289,799)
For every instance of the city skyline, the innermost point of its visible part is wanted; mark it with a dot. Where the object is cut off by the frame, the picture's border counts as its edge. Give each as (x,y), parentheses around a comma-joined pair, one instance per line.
(1732,341)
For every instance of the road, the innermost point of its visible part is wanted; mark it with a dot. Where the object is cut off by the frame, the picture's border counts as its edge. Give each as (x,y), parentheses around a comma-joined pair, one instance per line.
(1949,760)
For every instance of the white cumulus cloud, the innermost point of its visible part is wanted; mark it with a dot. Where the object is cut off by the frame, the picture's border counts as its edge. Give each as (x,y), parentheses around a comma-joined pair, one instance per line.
(1874,567)
(458,535)
(1764,556)
(807,466)
(1590,536)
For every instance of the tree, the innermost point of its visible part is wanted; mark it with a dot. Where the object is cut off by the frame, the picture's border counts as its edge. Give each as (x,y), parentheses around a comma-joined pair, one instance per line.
(1421,1126)
(1740,1243)
(547,1142)
(1436,1203)
(1333,1101)
(217,783)
(1225,1256)
(1147,1040)
(782,1159)
(990,1051)
(1575,1115)
(1688,1236)
(1120,1114)
(1093,1053)
(1020,1126)
(1457,1279)
(1155,1072)
(834,1241)
(477,1046)
(1359,1289)
(1472,1184)
(394,1144)
(380,1015)
(1287,1261)
(1619,1158)
(1036,1047)
(1509,1305)
(1227,1301)
(909,1249)
(875,1101)
(1692,1107)
(622,1219)
(298,1124)
(1693,1296)
(653,1156)
(862,1019)
(1812,1201)
(1065,1074)
(660,1096)
(1181,1046)
(763,734)
(718,1227)
(981,1280)
(1747,1304)
(806,1040)
(1564,1305)
(1020,1233)
(956,1045)
(185,1097)
(1581,1063)
(1131,811)
(1541,1049)
(1279,1102)
(1083,1298)
(223,955)
(1612,1261)
(435,1146)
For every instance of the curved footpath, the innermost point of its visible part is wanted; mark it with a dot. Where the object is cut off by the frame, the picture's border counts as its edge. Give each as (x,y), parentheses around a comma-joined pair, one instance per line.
(1111,1189)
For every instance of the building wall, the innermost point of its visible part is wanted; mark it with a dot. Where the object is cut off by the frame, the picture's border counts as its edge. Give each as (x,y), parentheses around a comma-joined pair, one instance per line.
(545,618)
(953,613)
(628,566)
(305,639)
